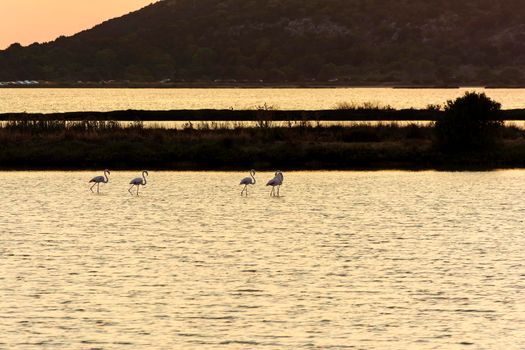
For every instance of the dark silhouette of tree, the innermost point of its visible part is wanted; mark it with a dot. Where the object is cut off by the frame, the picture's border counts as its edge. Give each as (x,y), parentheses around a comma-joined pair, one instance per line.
(471,122)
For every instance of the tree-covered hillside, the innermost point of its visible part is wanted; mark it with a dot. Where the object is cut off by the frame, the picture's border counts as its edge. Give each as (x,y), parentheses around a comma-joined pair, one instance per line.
(354,41)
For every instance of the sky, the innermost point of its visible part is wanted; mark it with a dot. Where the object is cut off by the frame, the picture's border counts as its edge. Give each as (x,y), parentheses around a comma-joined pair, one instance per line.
(29,21)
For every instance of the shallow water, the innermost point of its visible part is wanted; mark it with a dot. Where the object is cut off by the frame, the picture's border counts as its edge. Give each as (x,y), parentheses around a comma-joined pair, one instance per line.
(362,260)
(71,100)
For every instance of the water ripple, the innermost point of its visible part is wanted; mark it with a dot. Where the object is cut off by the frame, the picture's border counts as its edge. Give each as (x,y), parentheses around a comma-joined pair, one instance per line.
(364,260)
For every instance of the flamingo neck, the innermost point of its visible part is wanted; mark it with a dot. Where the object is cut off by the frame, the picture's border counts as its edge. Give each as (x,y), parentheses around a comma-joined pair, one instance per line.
(144,182)
(253,177)
(106,176)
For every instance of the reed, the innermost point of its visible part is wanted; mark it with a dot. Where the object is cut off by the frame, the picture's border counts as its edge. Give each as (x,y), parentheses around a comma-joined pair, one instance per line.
(365,106)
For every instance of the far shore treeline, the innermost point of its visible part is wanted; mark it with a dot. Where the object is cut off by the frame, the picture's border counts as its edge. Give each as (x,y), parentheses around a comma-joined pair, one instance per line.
(467,133)
(347,42)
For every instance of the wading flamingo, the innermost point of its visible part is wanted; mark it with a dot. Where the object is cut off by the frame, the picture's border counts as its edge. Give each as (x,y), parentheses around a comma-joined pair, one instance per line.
(97,180)
(277,181)
(139,181)
(248,181)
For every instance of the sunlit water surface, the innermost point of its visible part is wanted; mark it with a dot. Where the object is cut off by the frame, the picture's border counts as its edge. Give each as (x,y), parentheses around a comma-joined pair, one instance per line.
(71,100)
(362,260)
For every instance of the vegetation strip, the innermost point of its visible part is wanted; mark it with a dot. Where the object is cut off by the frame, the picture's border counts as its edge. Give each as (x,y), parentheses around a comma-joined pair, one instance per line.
(252,115)
(469,134)
(100,145)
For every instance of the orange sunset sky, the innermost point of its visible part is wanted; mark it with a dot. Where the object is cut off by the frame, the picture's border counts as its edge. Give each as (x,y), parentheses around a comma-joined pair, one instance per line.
(27,21)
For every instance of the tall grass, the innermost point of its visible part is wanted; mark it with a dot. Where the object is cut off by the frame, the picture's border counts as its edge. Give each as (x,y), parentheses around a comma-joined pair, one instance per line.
(43,126)
(365,106)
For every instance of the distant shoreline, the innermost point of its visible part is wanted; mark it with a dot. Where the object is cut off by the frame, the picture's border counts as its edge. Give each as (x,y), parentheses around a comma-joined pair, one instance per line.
(244,85)
(254,115)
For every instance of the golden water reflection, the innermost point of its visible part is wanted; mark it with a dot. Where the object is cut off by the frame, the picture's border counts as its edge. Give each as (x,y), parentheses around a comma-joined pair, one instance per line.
(73,100)
(366,260)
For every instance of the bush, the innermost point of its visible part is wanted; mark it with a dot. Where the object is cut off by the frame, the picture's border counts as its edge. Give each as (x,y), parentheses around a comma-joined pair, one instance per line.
(471,122)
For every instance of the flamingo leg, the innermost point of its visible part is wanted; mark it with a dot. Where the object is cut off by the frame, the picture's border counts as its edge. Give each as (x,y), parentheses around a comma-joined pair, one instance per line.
(271,192)
(91,188)
(129,190)
(138,187)
(245,189)
(278,188)
(98,187)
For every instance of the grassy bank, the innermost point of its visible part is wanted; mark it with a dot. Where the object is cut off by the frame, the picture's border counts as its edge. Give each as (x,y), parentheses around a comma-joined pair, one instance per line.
(301,145)
(347,113)
(343,112)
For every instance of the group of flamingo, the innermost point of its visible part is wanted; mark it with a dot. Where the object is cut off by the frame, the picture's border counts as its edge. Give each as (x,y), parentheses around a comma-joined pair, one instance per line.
(276,182)
(138,181)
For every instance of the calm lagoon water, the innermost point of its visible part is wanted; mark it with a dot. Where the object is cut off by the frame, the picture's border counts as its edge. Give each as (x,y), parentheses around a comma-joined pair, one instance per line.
(70,100)
(361,260)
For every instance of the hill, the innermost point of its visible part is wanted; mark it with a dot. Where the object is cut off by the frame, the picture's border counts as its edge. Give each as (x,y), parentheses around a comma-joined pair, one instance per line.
(354,41)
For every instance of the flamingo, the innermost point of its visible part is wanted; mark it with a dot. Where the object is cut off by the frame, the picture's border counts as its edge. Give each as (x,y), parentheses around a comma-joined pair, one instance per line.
(97,180)
(139,181)
(248,181)
(277,181)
